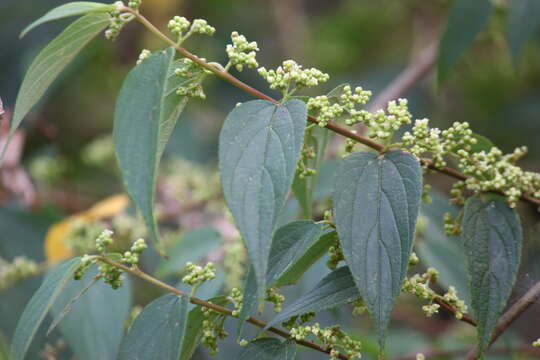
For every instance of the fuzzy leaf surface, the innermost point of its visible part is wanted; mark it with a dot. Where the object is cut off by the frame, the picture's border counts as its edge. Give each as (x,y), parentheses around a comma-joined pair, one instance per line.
(376,203)
(158,331)
(259,147)
(492,238)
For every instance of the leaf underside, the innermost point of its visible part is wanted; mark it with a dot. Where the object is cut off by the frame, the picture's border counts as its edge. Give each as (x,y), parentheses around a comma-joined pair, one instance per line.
(51,61)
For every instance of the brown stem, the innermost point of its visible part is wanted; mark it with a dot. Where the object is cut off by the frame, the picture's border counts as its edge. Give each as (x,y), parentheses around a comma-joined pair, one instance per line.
(258,94)
(509,316)
(223,310)
(465,318)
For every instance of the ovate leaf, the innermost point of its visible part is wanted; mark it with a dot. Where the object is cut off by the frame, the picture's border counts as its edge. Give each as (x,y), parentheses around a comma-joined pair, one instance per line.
(467,18)
(259,147)
(158,332)
(335,289)
(194,328)
(492,238)
(289,245)
(70,9)
(84,325)
(376,202)
(51,61)
(523,21)
(269,349)
(39,305)
(146,111)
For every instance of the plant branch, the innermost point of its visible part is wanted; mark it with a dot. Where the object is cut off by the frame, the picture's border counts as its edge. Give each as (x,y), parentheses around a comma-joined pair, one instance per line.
(221,309)
(509,316)
(465,318)
(258,94)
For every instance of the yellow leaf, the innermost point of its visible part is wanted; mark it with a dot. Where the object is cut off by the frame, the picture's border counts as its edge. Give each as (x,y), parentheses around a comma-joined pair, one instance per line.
(55,247)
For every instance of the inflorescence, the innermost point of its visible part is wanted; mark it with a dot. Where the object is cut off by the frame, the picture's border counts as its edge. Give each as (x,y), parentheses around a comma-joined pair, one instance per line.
(241,52)
(291,76)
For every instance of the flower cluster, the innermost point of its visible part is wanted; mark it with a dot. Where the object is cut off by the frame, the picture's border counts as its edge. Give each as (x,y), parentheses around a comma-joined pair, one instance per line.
(420,356)
(494,171)
(291,76)
(212,329)
(192,75)
(196,275)
(536,343)
(413,259)
(104,240)
(382,125)
(134,4)
(346,102)
(308,153)
(241,52)
(452,298)
(335,254)
(275,298)
(487,168)
(143,56)
(118,19)
(359,307)
(419,285)
(19,269)
(179,24)
(236,297)
(132,256)
(452,225)
(333,337)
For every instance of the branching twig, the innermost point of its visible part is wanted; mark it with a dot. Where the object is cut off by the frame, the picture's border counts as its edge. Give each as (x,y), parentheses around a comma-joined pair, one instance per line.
(509,316)
(223,310)
(258,94)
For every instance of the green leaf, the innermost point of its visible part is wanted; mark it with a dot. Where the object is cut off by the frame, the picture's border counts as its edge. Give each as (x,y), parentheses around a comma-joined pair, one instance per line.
(268,349)
(194,329)
(193,246)
(70,9)
(259,147)
(492,238)
(51,61)
(288,246)
(309,257)
(523,21)
(146,112)
(335,289)
(39,305)
(249,302)
(95,325)
(467,18)
(376,202)
(158,332)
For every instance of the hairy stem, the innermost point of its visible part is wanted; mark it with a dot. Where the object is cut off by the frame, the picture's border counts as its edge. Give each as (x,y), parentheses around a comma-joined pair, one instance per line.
(258,94)
(221,309)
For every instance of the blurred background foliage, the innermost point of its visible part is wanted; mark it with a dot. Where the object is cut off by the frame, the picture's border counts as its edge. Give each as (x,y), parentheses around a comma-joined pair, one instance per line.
(66,163)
